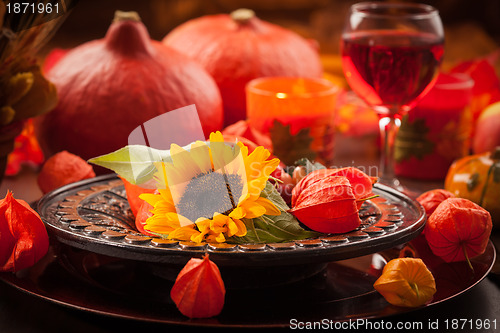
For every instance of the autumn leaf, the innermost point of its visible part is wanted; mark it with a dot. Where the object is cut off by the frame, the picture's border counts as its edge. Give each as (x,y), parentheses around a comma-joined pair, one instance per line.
(412,140)
(288,147)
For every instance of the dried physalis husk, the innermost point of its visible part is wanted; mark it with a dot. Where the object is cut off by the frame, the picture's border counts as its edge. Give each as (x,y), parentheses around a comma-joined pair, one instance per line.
(458,230)
(406,282)
(199,291)
(23,237)
(327,205)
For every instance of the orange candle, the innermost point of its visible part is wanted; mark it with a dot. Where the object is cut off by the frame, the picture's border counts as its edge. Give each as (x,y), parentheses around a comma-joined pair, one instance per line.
(297,113)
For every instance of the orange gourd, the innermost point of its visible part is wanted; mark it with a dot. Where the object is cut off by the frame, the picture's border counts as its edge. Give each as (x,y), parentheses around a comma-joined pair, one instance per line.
(406,282)
(477,178)
(108,87)
(239,47)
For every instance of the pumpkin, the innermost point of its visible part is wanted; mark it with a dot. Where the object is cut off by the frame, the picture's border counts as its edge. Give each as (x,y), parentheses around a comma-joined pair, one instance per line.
(239,47)
(477,178)
(109,87)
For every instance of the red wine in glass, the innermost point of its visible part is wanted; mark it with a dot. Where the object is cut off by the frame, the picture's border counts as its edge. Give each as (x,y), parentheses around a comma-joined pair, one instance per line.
(391,69)
(391,53)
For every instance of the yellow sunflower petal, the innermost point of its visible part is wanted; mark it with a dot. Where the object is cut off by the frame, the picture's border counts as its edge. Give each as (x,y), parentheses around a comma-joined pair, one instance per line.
(198,238)
(184,166)
(241,228)
(158,229)
(255,187)
(237,213)
(184,233)
(252,209)
(220,238)
(151,198)
(232,227)
(200,153)
(216,137)
(271,209)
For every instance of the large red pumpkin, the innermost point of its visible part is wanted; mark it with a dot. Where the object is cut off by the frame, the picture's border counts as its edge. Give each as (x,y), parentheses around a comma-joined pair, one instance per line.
(108,87)
(239,47)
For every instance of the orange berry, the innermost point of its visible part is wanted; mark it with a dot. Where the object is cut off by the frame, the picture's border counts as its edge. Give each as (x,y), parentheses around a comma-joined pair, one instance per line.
(61,169)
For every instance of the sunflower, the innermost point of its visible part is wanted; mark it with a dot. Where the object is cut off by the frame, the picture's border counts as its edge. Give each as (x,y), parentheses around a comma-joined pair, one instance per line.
(206,191)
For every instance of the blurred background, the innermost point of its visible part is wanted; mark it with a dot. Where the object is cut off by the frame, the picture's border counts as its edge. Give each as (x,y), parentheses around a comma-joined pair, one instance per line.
(472,27)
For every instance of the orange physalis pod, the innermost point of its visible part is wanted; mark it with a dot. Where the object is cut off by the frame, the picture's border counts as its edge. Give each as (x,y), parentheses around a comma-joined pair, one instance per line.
(326,205)
(61,169)
(133,191)
(199,291)
(458,230)
(406,282)
(145,212)
(361,183)
(23,237)
(431,199)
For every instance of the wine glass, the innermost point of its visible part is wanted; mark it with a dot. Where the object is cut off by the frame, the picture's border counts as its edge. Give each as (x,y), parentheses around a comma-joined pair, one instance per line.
(391,53)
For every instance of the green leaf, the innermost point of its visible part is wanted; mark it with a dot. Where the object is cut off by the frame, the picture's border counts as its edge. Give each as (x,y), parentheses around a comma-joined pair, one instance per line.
(310,166)
(270,193)
(273,229)
(135,163)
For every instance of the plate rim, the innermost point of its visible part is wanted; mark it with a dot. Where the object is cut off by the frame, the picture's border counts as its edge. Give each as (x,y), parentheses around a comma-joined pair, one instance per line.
(255,258)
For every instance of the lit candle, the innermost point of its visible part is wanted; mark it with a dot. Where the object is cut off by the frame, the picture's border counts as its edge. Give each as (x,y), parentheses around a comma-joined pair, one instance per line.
(297,113)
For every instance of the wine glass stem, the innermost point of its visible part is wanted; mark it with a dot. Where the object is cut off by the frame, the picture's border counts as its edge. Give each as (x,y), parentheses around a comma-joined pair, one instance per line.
(389,126)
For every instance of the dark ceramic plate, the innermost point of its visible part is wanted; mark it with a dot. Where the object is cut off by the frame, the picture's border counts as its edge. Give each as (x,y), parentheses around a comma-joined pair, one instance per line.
(130,289)
(94,215)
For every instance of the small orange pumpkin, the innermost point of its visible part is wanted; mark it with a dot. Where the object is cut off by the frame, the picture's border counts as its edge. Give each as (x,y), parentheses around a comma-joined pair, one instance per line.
(477,178)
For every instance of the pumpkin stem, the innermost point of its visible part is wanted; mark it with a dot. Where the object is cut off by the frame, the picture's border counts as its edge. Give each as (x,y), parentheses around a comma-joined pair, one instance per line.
(121,16)
(486,182)
(128,36)
(495,155)
(242,15)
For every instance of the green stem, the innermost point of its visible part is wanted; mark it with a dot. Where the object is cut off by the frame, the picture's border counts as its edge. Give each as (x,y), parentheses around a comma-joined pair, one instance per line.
(414,286)
(467,258)
(483,193)
(369,198)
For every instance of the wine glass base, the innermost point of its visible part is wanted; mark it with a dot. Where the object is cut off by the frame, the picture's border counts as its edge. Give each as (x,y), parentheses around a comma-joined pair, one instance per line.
(397,185)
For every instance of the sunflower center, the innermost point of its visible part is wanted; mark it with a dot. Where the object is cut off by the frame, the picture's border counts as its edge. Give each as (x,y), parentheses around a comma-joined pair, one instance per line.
(209,193)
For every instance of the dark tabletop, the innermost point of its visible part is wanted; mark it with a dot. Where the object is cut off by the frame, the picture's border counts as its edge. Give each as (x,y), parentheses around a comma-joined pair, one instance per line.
(467,312)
